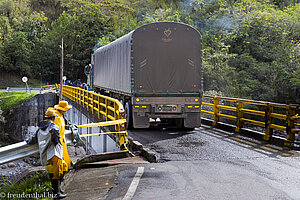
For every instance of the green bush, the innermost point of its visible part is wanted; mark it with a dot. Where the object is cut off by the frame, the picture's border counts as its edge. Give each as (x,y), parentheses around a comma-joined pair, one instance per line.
(36,185)
(9,100)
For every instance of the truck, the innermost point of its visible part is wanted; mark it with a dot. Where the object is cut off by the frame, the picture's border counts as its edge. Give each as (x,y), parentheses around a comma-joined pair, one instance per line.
(156,72)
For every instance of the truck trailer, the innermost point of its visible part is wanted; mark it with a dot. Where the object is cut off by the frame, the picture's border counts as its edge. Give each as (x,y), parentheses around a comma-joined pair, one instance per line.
(156,72)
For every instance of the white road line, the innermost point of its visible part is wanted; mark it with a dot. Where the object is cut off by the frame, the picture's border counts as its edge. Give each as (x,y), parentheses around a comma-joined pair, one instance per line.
(132,188)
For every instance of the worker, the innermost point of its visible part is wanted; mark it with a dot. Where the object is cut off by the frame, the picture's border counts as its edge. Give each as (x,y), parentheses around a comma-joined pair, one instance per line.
(51,151)
(60,110)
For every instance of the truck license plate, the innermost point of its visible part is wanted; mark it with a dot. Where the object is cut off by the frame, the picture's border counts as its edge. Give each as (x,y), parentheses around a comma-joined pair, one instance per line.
(167,108)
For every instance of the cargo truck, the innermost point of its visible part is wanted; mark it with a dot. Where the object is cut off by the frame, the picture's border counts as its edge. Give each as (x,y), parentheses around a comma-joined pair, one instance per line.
(156,72)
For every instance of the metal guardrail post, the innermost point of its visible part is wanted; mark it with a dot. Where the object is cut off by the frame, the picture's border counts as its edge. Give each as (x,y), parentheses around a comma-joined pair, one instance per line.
(106,110)
(89,102)
(81,98)
(239,116)
(269,122)
(290,135)
(94,105)
(85,99)
(216,111)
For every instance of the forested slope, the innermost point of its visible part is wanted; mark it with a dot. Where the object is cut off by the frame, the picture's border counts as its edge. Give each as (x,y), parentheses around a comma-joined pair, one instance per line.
(251,47)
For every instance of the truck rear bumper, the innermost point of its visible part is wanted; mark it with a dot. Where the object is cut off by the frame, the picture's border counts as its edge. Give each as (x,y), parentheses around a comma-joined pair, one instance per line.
(186,108)
(167,116)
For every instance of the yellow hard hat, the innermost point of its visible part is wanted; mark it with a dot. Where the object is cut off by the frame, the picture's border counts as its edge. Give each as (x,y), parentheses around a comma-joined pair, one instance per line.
(50,113)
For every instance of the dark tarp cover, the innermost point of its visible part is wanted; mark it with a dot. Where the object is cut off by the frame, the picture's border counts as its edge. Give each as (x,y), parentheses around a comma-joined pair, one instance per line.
(162,57)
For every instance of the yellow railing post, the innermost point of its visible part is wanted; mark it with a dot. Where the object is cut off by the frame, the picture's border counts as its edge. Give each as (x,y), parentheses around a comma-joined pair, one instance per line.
(89,96)
(99,107)
(103,108)
(239,116)
(86,100)
(106,109)
(83,98)
(117,126)
(74,93)
(122,129)
(290,135)
(80,97)
(216,111)
(94,97)
(269,122)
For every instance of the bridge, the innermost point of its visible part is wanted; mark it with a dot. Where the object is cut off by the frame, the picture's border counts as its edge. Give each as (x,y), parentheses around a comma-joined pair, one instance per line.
(244,150)
(270,116)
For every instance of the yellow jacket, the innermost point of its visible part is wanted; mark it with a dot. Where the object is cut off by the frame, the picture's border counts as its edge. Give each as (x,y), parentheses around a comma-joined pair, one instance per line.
(60,122)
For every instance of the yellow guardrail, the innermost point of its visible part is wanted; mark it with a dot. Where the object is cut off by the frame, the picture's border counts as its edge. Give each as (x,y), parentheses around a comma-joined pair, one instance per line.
(250,111)
(109,111)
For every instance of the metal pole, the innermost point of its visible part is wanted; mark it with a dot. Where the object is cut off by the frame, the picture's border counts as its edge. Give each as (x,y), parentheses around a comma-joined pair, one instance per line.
(61,68)
(27,88)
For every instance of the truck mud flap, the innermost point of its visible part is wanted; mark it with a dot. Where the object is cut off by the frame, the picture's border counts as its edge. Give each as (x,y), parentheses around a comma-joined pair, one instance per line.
(193,120)
(140,121)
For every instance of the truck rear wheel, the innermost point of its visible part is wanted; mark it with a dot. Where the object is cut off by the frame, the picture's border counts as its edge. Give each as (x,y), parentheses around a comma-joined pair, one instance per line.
(128,114)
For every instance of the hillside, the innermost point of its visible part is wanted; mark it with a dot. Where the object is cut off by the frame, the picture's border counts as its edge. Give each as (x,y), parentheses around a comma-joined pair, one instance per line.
(12,79)
(251,48)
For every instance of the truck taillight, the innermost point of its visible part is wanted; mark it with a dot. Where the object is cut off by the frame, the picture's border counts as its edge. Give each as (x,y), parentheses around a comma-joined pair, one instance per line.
(192,99)
(138,100)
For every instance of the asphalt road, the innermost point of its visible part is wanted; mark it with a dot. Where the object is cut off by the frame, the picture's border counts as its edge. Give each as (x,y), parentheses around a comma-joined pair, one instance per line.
(22,90)
(210,164)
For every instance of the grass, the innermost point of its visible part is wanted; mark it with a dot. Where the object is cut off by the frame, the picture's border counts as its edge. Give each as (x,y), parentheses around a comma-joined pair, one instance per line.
(35,185)
(9,100)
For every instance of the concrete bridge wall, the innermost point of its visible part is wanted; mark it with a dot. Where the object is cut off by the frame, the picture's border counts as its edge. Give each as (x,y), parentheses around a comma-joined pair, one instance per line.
(22,118)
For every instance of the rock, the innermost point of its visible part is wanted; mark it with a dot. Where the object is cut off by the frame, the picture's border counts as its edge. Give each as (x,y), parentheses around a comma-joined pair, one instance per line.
(3,166)
(11,165)
(71,150)
(80,151)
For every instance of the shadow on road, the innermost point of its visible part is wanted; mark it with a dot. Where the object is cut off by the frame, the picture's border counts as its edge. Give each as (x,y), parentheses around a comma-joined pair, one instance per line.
(158,133)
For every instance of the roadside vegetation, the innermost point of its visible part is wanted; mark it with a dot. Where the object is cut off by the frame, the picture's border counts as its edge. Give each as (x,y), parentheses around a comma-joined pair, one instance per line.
(11,99)
(7,101)
(35,185)
(251,48)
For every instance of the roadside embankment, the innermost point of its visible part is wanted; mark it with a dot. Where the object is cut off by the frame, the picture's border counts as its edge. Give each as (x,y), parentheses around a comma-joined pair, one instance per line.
(18,121)
(21,118)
